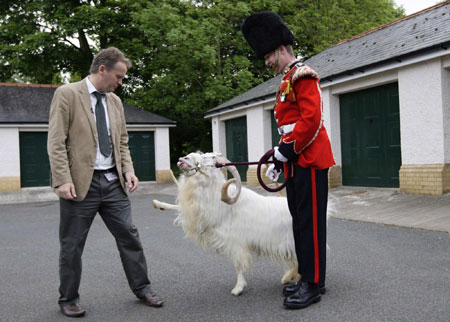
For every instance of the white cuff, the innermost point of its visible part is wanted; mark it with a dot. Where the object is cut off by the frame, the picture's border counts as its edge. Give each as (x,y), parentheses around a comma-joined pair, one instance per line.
(277,155)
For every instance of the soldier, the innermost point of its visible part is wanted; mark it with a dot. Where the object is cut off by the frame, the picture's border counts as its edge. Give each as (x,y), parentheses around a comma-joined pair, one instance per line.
(304,146)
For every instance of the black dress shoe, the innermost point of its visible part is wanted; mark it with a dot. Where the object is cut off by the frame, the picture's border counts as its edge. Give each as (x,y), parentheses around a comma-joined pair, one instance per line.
(151,299)
(306,295)
(291,289)
(73,310)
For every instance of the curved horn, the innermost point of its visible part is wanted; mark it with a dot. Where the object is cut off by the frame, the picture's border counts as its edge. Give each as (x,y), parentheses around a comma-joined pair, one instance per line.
(236,179)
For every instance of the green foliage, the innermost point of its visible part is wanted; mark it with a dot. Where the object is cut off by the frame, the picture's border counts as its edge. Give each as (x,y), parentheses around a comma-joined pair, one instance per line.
(319,24)
(188,56)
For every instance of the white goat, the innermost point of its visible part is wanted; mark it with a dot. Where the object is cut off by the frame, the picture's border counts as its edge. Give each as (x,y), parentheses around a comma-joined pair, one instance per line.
(236,226)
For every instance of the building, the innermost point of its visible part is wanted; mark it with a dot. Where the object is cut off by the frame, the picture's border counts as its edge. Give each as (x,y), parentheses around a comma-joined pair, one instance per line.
(386,96)
(24,112)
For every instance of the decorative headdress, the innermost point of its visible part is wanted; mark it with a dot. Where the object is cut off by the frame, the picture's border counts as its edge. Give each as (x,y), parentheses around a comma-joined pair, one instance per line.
(265,31)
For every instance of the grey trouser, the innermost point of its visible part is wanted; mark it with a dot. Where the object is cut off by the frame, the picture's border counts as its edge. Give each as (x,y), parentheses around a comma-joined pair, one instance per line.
(113,205)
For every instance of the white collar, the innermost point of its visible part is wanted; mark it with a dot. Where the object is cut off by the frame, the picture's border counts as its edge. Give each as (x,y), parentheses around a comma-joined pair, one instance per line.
(90,86)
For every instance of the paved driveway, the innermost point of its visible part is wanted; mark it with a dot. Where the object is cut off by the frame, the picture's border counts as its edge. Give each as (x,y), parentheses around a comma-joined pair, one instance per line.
(375,273)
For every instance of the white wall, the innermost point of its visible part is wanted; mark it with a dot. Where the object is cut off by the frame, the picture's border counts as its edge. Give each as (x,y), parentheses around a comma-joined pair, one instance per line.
(162,149)
(421,113)
(446,112)
(331,111)
(218,136)
(259,135)
(364,82)
(9,152)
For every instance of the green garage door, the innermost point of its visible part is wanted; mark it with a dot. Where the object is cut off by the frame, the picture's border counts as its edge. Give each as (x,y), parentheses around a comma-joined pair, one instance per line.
(142,149)
(34,163)
(236,134)
(370,137)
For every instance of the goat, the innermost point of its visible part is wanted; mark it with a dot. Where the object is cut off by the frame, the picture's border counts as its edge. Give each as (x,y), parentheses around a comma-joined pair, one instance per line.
(238,226)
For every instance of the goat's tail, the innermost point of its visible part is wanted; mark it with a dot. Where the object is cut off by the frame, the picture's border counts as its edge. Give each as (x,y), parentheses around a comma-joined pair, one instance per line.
(174,179)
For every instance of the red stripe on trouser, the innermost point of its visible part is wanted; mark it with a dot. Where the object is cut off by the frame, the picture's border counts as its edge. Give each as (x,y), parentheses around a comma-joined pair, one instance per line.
(315,235)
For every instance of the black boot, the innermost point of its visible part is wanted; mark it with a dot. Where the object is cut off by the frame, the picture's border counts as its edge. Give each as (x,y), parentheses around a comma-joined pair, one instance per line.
(291,289)
(307,294)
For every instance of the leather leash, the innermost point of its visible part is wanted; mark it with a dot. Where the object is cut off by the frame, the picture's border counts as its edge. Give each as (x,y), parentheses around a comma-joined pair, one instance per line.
(264,160)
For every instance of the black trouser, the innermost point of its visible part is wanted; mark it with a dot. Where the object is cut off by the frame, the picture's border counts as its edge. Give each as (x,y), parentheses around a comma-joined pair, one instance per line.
(113,205)
(307,195)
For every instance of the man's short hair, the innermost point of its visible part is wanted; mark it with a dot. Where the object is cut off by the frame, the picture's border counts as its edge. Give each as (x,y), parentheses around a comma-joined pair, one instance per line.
(108,57)
(290,49)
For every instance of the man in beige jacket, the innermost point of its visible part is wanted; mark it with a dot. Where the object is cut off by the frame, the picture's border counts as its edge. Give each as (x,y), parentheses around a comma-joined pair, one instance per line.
(90,169)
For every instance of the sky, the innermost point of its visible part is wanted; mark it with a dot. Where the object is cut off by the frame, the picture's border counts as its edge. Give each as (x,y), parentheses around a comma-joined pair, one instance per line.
(412,6)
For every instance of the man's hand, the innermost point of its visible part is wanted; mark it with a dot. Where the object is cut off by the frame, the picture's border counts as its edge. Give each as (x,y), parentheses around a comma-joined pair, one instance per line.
(132,181)
(66,191)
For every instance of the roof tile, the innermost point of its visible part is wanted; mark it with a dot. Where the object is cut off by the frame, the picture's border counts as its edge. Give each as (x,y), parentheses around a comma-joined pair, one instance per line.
(425,30)
(30,104)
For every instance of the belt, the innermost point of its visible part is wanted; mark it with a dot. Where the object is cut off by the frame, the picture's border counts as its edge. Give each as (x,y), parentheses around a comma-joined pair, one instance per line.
(113,169)
(286,129)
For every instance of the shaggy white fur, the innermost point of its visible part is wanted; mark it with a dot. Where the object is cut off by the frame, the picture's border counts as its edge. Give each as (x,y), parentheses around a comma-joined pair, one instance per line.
(254,224)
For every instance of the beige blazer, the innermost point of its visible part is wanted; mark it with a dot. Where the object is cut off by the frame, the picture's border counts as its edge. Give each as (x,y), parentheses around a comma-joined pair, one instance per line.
(72,137)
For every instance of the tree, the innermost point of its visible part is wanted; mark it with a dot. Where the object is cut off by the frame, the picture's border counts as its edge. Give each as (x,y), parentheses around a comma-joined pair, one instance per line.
(198,60)
(40,39)
(202,59)
(188,56)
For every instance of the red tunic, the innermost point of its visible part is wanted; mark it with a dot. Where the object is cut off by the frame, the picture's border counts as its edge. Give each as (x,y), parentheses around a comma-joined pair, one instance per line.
(299,101)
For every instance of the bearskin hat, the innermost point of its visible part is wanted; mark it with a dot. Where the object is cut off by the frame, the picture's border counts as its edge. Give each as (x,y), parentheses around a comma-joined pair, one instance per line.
(265,31)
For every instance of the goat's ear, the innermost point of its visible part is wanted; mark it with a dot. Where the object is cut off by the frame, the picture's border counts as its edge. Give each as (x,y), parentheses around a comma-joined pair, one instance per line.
(198,161)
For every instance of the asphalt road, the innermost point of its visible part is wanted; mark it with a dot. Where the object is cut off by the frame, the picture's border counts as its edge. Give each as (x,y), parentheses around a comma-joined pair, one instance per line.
(375,273)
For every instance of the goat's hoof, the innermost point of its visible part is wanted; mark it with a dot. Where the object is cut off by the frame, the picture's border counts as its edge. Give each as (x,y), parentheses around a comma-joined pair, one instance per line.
(287,278)
(237,291)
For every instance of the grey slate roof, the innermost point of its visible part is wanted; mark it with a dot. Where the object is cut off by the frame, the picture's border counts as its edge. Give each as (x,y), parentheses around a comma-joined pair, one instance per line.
(424,30)
(260,92)
(135,115)
(420,32)
(30,104)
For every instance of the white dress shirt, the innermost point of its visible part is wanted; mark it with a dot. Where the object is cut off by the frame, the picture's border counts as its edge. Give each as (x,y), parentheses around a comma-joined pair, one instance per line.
(101,162)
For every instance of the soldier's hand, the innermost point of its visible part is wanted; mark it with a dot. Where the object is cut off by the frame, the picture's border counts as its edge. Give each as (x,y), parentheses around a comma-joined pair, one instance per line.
(66,191)
(273,173)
